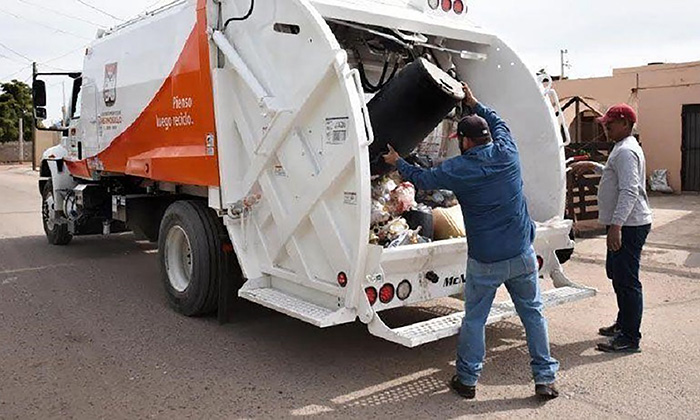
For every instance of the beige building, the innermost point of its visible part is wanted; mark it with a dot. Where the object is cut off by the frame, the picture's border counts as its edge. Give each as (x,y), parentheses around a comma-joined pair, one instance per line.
(667,99)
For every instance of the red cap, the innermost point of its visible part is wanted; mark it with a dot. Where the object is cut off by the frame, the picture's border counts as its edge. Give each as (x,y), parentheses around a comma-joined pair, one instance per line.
(619,112)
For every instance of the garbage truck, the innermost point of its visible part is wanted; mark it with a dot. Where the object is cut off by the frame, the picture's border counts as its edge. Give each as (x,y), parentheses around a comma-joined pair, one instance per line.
(238,135)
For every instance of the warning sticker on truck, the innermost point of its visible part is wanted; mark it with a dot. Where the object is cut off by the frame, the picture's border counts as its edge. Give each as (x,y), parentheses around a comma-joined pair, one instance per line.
(350,197)
(336,130)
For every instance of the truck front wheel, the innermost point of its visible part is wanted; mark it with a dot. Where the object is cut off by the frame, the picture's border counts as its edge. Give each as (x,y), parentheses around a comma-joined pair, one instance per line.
(56,229)
(191,244)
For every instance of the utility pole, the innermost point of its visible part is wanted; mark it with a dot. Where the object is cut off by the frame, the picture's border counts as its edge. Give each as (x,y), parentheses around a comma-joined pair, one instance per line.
(33,123)
(21,140)
(564,62)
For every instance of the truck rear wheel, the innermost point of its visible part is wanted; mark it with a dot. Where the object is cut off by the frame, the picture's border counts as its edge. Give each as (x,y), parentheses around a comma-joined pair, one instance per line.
(193,246)
(57,232)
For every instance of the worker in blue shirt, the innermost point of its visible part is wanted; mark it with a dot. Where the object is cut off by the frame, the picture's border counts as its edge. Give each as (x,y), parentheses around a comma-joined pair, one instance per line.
(487,180)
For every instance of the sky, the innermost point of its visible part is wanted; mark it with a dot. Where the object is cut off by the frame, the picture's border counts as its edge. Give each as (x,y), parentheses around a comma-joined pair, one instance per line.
(599,34)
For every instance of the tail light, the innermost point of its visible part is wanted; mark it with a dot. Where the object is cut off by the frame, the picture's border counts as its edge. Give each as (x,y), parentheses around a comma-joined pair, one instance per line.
(540,262)
(446,5)
(386,293)
(458,7)
(403,290)
(371,293)
(433,4)
(342,279)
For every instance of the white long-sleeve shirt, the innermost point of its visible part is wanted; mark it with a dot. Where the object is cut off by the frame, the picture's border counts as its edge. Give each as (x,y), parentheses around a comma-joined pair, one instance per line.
(622,196)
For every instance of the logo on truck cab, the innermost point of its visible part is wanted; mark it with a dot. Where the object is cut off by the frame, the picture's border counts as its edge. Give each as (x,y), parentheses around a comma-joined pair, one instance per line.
(110,85)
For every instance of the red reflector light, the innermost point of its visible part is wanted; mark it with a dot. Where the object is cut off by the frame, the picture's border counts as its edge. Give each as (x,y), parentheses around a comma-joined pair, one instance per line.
(342,279)
(540,262)
(458,7)
(446,5)
(371,293)
(386,293)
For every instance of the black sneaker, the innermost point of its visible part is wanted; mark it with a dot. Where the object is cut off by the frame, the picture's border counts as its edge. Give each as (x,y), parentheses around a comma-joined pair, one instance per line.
(619,345)
(610,331)
(546,391)
(466,391)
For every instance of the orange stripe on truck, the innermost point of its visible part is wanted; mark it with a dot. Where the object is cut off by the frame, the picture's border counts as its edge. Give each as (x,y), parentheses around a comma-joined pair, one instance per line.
(174,138)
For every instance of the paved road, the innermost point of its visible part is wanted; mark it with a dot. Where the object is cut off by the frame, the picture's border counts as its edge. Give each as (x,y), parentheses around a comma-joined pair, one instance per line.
(85,332)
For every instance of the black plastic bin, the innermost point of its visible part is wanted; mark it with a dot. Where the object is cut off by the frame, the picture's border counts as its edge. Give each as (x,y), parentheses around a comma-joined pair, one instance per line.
(408,108)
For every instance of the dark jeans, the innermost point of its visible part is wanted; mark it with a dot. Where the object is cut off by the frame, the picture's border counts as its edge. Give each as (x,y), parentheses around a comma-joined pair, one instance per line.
(622,268)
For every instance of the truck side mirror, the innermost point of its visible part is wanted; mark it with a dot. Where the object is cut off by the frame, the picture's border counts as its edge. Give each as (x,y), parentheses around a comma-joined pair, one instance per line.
(40,113)
(39,93)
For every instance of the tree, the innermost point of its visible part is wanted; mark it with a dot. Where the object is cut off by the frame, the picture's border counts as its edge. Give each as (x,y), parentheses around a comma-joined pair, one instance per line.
(15,102)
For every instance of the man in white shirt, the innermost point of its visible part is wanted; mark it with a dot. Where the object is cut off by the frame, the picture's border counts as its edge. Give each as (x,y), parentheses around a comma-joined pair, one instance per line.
(623,207)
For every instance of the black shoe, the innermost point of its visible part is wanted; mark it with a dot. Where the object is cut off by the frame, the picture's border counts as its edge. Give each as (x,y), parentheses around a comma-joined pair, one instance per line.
(619,345)
(610,331)
(546,391)
(466,391)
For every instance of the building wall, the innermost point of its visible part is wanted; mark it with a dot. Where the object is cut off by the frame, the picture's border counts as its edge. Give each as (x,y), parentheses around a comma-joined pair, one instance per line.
(9,152)
(44,140)
(658,92)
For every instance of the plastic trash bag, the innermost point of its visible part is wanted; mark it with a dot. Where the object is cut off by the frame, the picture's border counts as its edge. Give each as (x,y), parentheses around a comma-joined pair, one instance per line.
(658,181)
(421,217)
(379,213)
(403,198)
(382,187)
(408,237)
(437,198)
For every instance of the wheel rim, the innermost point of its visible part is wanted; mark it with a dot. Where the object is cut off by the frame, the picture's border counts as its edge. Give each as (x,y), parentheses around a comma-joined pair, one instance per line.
(49,212)
(178,258)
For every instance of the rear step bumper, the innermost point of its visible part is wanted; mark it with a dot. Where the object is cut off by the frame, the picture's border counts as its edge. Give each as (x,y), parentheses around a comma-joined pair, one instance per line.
(446,326)
(298,308)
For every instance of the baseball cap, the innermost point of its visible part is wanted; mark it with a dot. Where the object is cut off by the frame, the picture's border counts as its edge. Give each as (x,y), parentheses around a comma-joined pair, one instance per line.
(473,127)
(619,112)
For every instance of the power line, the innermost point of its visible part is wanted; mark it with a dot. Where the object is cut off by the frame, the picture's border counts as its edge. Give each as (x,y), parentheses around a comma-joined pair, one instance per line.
(43,24)
(45,63)
(15,73)
(14,60)
(60,13)
(17,53)
(99,10)
(62,55)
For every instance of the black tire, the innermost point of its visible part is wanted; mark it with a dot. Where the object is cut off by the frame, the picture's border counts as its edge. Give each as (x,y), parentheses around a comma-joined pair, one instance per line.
(56,234)
(205,255)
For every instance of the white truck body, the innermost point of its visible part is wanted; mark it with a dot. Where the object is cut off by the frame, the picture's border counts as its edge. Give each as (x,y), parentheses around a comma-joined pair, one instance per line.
(273,108)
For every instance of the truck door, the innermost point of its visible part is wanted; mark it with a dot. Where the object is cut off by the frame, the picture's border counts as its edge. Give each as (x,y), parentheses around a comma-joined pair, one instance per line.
(84,140)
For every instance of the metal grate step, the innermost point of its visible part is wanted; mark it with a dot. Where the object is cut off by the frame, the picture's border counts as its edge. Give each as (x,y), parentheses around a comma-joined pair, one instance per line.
(446,326)
(288,304)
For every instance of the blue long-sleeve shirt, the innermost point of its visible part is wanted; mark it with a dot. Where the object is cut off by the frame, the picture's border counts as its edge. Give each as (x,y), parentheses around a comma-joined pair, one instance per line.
(488,184)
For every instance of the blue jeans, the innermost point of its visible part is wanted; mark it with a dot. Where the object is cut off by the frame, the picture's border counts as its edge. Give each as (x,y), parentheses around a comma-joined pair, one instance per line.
(520,276)
(622,268)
